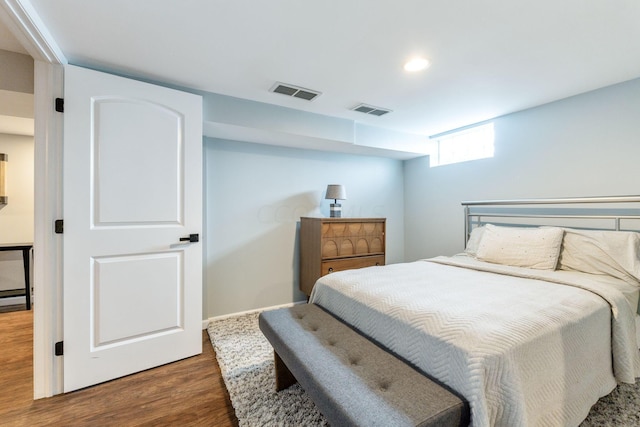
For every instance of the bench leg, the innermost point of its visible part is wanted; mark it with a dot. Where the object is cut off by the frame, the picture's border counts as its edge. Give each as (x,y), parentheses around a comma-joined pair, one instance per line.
(284,377)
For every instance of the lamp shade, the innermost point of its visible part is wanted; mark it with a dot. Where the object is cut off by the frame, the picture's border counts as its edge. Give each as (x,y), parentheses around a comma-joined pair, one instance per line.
(336,192)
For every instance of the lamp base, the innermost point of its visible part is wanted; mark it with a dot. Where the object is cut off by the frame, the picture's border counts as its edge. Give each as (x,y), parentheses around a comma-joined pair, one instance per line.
(335,210)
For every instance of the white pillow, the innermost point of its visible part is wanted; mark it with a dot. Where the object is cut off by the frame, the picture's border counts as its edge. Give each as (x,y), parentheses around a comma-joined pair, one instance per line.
(615,253)
(474,240)
(521,247)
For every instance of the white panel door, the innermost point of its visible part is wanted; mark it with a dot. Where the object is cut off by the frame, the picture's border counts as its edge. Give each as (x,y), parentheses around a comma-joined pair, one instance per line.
(132,189)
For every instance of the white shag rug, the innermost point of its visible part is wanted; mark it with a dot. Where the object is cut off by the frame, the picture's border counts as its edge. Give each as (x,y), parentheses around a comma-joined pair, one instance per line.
(246,361)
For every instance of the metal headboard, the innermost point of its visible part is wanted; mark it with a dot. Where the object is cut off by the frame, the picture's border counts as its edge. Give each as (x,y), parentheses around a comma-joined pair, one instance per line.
(561,209)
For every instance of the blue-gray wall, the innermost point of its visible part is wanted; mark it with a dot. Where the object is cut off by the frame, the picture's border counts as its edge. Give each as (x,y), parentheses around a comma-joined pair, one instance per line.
(586,145)
(255,195)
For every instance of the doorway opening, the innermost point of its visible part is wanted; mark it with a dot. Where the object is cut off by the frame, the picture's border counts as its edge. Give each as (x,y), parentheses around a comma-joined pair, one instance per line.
(16,180)
(17,212)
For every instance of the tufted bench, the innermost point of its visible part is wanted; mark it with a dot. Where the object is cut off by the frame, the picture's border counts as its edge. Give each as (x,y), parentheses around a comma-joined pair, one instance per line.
(352,381)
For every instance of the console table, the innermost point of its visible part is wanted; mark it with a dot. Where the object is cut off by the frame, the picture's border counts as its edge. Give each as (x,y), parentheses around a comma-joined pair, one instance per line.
(25,248)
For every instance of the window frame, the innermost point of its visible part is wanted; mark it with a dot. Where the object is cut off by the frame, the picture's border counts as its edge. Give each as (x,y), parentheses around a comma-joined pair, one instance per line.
(458,141)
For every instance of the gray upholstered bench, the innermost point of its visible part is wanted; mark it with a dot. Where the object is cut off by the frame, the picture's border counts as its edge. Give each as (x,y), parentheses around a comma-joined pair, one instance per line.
(352,381)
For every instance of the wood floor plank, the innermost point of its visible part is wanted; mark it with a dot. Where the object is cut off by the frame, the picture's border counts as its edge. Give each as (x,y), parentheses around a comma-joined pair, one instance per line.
(189,392)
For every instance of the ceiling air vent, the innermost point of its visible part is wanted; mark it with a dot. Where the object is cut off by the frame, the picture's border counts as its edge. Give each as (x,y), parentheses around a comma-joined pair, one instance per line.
(369,109)
(295,91)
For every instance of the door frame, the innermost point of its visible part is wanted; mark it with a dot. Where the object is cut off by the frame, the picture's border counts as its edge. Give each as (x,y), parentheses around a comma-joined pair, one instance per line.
(25,24)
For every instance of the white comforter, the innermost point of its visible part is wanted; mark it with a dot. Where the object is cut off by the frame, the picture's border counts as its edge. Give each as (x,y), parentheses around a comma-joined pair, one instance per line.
(522,351)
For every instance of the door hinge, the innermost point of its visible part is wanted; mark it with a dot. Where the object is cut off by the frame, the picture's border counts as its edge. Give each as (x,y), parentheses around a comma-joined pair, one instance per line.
(60,105)
(59,348)
(58,226)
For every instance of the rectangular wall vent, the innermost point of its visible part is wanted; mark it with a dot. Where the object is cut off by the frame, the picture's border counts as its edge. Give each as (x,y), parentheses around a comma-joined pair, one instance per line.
(295,91)
(370,109)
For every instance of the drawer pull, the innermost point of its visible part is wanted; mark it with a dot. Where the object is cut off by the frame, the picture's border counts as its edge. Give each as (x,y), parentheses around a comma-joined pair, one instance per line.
(377,263)
(330,269)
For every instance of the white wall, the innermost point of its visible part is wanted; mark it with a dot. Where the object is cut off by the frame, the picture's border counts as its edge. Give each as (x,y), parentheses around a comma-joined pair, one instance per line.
(586,145)
(16,218)
(255,195)
(16,70)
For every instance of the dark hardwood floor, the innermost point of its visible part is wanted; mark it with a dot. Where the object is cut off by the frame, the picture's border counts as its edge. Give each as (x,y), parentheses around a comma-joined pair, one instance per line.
(185,393)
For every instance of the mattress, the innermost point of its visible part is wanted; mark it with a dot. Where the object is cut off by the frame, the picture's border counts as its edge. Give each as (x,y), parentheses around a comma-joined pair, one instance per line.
(526,348)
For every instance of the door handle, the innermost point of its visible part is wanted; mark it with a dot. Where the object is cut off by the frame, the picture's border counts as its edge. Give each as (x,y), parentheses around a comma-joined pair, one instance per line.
(192,238)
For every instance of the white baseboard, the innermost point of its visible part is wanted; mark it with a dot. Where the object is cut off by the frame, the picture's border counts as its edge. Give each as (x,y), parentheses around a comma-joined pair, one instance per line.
(205,323)
(12,301)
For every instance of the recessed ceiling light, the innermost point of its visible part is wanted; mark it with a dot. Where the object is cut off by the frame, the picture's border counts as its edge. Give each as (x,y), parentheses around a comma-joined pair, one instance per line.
(416,64)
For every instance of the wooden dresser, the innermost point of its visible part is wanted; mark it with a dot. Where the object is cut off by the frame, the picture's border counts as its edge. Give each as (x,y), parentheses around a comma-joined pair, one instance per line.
(335,244)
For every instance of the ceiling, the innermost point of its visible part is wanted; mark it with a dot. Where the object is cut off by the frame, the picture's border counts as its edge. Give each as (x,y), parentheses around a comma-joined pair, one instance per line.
(489,57)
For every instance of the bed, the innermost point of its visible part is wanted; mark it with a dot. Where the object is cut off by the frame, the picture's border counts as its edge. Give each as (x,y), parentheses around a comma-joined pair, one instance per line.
(532,324)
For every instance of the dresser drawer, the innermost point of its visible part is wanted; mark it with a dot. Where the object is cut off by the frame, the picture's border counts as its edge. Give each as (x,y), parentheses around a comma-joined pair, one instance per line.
(352,238)
(351,246)
(336,244)
(331,266)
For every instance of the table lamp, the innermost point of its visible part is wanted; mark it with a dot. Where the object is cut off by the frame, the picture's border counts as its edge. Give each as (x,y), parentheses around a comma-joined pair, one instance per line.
(336,192)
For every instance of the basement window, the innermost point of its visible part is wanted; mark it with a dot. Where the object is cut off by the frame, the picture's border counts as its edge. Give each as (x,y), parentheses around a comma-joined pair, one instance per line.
(471,143)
